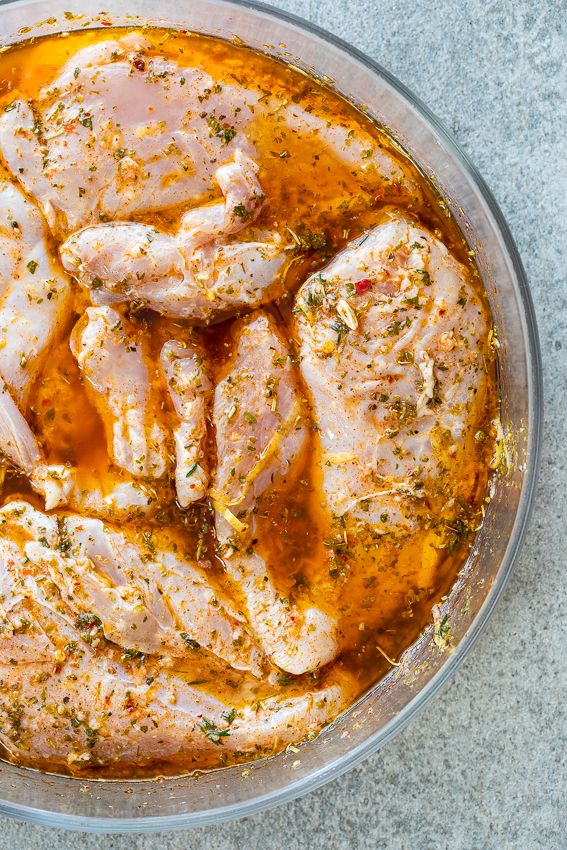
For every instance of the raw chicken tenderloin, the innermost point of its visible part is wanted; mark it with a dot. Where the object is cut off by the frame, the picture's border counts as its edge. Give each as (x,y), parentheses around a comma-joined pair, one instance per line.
(34,294)
(391,335)
(120,132)
(114,365)
(196,273)
(190,390)
(260,432)
(97,707)
(147,599)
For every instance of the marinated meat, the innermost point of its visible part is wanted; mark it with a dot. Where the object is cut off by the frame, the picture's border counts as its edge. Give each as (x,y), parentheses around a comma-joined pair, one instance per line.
(147,599)
(121,132)
(34,294)
(104,707)
(115,367)
(197,273)
(190,390)
(391,338)
(261,429)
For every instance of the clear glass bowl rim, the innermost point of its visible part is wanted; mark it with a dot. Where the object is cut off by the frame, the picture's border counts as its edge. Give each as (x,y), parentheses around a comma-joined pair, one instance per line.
(352,758)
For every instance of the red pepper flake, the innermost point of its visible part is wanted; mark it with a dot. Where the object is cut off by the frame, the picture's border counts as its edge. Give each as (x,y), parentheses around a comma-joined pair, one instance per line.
(106,23)
(139,64)
(362,285)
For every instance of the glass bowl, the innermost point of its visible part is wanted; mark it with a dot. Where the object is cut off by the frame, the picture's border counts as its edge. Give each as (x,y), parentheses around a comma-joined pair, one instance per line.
(144,805)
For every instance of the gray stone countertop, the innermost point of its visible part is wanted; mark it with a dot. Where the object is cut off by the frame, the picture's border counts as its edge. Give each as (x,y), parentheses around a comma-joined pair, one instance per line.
(483,766)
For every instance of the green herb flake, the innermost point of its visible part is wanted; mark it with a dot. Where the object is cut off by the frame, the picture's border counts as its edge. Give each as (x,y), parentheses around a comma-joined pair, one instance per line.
(241,211)
(192,644)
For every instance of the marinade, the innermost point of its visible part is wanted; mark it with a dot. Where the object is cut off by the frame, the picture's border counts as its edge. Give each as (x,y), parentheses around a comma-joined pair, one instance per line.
(379,588)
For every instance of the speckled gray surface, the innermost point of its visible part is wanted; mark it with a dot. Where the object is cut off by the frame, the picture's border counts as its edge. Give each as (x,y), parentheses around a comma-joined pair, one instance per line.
(483,767)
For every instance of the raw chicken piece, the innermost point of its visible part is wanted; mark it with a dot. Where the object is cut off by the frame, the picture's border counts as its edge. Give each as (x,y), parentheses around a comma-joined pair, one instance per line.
(148,599)
(260,432)
(114,498)
(19,445)
(22,638)
(110,495)
(119,132)
(112,716)
(34,295)
(190,389)
(391,338)
(34,302)
(243,202)
(113,362)
(98,488)
(196,273)
(357,149)
(97,707)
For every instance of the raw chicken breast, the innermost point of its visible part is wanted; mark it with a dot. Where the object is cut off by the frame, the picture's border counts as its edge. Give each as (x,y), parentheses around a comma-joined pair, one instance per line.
(114,365)
(260,427)
(357,150)
(391,336)
(146,598)
(34,307)
(112,716)
(23,639)
(113,493)
(99,707)
(120,132)
(196,273)
(34,294)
